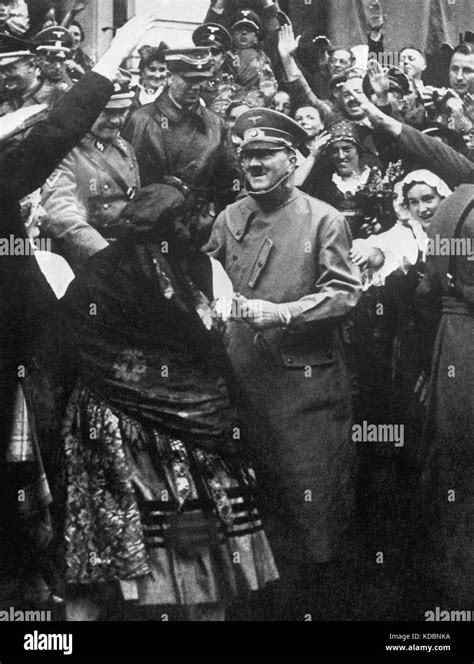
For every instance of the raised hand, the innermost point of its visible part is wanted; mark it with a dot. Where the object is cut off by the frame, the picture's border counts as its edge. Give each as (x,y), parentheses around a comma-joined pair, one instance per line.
(125,41)
(287,43)
(378,78)
(317,144)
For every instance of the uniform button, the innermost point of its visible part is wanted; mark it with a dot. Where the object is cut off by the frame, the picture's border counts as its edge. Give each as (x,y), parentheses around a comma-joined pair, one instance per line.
(261,263)
(239,233)
(234,257)
(106,186)
(289,360)
(106,206)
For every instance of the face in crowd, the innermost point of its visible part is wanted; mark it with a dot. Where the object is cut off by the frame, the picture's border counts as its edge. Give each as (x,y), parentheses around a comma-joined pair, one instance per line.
(422,201)
(217,55)
(109,124)
(265,168)
(244,36)
(461,73)
(19,76)
(349,104)
(281,102)
(309,118)
(340,61)
(76,36)
(344,156)
(185,90)
(5,8)
(154,74)
(52,67)
(413,63)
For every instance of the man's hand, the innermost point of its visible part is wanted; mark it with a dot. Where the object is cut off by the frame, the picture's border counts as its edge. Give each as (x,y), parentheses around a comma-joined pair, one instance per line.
(379,80)
(287,43)
(260,313)
(124,43)
(317,144)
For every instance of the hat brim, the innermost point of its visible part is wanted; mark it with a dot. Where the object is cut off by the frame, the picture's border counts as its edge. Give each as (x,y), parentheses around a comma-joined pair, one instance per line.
(203,75)
(60,51)
(120,102)
(245,21)
(10,58)
(266,144)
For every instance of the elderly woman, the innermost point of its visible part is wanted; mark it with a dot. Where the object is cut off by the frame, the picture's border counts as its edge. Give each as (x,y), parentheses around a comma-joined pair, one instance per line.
(158,506)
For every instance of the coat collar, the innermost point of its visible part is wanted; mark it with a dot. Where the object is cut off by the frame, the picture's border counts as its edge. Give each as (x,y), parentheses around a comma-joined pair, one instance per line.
(90,141)
(240,215)
(175,113)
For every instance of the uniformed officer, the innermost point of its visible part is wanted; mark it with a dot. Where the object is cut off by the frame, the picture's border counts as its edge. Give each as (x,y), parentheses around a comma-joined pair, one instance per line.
(219,41)
(54,48)
(18,71)
(85,196)
(177,135)
(250,62)
(287,254)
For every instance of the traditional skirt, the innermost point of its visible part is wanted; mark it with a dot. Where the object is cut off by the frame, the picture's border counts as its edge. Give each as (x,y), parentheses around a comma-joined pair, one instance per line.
(172,523)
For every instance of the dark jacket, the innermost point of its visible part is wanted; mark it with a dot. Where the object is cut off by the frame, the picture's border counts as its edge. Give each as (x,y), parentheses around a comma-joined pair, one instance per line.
(25,296)
(193,146)
(446,453)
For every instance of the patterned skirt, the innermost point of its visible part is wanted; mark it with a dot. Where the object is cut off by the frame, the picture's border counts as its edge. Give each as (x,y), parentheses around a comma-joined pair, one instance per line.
(173,524)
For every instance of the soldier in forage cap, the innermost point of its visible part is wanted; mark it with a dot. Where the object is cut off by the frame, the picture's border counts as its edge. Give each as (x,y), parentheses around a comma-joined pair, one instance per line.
(177,135)
(287,255)
(84,197)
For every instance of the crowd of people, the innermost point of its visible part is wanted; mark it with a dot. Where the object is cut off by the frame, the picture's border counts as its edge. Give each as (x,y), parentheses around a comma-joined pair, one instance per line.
(236,307)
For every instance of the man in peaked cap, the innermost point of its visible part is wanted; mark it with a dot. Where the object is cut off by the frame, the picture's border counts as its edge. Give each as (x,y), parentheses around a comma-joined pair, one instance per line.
(218,40)
(250,60)
(84,197)
(177,135)
(18,71)
(287,255)
(54,47)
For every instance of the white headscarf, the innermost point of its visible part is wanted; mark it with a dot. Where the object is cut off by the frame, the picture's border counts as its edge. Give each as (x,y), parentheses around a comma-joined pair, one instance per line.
(424,176)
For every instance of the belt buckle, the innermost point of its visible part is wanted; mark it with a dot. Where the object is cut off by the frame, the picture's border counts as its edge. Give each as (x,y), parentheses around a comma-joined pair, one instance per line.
(131,193)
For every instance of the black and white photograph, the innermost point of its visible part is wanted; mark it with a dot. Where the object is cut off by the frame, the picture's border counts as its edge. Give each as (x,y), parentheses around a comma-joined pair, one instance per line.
(236,317)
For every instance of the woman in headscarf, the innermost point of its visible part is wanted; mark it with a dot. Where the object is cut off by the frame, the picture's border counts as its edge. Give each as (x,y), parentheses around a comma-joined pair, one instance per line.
(157,501)
(395,260)
(343,169)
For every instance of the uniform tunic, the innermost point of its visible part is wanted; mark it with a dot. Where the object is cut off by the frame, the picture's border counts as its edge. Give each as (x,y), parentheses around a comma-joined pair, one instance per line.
(82,199)
(296,399)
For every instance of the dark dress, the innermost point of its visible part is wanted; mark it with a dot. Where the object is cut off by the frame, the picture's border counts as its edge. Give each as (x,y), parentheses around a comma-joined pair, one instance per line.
(153,482)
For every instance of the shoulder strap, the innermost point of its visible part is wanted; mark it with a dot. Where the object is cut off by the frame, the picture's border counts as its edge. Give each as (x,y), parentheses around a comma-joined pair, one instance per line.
(100,161)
